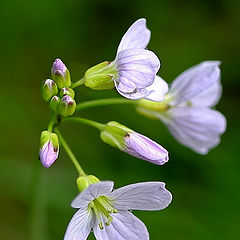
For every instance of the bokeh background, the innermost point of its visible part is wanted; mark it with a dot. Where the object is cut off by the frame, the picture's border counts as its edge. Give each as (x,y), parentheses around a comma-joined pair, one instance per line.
(35,202)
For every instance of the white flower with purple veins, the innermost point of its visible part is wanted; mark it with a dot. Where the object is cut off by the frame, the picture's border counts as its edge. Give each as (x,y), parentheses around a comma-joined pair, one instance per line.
(133,143)
(187,111)
(107,211)
(134,69)
(136,66)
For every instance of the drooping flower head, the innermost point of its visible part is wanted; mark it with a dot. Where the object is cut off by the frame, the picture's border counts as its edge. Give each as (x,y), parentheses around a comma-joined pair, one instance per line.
(49,148)
(107,211)
(134,143)
(134,69)
(186,109)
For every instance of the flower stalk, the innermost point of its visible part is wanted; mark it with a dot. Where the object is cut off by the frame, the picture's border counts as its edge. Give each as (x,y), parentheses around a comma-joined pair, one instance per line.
(70,153)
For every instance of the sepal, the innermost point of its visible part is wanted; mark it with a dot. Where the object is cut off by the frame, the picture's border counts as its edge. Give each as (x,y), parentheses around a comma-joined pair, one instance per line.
(100,77)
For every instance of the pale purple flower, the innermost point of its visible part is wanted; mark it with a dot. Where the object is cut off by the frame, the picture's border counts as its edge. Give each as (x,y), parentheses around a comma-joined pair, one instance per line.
(144,148)
(48,154)
(107,211)
(136,67)
(187,111)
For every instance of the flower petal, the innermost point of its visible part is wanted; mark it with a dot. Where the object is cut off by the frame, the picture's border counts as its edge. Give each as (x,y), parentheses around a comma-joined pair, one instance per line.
(144,148)
(48,154)
(80,225)
(194,81)
(137,36)
(138,66)
(196,128)
(125,226)
(209,97)
(135,94)
(159,88)
(93,191)
(141,196)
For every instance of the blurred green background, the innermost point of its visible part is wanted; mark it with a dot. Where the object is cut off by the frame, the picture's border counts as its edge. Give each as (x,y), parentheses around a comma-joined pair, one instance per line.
(35,202)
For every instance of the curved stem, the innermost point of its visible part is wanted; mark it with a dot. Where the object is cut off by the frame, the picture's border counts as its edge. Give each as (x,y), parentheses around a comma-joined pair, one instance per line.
(78,83)
(103,102)
(91,123)
(52,121)
(70,153)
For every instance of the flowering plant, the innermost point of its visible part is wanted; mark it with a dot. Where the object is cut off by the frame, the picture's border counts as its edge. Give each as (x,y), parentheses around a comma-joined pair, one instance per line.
(185,109)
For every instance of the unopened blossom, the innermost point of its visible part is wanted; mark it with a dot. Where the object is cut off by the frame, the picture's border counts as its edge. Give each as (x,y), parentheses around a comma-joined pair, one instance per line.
(134,69)
(187,108)
(67,106)
(49,89)
(49,148)
(61,74)
(107,211)
(134,143)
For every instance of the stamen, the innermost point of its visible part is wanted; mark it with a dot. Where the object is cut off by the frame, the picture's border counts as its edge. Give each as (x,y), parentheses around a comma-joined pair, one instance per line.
(102,209)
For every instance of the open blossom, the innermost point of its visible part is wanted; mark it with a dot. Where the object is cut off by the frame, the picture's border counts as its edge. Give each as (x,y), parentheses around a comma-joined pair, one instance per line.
(107,211)
(187,111)
(134,143)
(134,69)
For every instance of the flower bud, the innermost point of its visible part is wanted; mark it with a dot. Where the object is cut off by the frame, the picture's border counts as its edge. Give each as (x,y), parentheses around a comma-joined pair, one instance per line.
(67,91)
(54,103)
(49,89)
(85,181)
(134,143)
(49,148)
(113,134)
(67,106)
(61,74)
(100,77)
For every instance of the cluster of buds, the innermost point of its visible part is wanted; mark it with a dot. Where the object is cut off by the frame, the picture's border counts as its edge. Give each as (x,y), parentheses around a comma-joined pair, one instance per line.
(57,90)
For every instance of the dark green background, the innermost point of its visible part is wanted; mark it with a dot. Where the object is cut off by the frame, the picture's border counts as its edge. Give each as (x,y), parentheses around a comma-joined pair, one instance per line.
(35,202)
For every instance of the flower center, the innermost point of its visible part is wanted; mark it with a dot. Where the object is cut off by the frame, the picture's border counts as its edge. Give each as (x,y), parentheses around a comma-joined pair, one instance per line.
(103,210)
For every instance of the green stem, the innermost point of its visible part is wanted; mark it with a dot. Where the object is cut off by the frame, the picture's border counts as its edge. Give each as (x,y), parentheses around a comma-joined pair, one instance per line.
(70,153)
(103,102)
(78,83)
(97,125)
(52,121)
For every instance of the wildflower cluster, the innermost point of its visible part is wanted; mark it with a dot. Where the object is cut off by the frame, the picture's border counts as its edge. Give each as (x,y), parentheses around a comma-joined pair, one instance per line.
(186,108)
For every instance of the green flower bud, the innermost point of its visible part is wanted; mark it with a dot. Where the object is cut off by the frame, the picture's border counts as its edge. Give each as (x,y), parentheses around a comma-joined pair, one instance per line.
(67,91)
(114,133)
(49,89)
(84,182)
(100,77)
(60,74)
(54,103)
(67,106)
